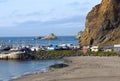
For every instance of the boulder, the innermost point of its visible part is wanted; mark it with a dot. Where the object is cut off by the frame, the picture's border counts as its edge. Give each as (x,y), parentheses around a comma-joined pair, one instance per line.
(57,66)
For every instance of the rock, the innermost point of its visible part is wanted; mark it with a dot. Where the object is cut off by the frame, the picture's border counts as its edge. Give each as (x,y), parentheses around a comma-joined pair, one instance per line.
(50,36)
(102,24)
(57,66)
(79,34)
(37,38)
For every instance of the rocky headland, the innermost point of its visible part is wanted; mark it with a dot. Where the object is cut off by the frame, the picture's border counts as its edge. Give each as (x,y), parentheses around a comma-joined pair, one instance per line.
(102,24)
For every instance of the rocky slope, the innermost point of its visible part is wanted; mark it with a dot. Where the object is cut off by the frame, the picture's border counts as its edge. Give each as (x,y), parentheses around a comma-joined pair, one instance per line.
(102,24)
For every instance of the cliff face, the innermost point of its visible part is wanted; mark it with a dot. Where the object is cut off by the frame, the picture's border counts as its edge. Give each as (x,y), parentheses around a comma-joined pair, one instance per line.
(102,24)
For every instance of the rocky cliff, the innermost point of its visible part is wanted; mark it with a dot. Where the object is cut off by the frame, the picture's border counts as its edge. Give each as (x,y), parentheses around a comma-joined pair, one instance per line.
(102,24)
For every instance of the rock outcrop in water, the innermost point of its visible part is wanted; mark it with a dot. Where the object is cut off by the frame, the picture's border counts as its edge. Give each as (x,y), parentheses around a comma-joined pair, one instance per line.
(37,38)
(102,24)
(50,36)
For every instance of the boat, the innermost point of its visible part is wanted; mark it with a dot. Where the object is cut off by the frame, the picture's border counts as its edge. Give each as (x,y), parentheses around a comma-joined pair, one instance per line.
(35,49)
(11,55)
(6,48)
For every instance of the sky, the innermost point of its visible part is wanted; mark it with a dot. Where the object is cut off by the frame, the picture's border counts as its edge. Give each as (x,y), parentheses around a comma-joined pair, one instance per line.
(42,17)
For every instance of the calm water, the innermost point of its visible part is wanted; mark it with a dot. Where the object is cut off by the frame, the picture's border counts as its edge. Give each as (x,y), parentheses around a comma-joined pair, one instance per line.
(29,40)
(14,69)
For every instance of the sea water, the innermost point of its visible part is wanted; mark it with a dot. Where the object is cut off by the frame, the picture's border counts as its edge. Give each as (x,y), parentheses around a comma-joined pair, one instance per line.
(31,41)
(14,69)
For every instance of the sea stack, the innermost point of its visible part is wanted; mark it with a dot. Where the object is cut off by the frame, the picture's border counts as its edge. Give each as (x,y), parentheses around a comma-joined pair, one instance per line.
(50,36)
(102,24)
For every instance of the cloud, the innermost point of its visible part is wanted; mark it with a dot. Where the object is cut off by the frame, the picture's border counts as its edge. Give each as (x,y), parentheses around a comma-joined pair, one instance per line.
(37,16)
(64,26)
(16,17)
(68,20)
(48,13)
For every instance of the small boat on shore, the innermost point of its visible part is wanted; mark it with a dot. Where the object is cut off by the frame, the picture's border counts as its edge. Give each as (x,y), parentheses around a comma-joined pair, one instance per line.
(11,55)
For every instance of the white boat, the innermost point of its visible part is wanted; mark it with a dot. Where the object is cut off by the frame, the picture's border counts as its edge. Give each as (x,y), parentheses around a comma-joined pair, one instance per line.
(35,49)
(11,55)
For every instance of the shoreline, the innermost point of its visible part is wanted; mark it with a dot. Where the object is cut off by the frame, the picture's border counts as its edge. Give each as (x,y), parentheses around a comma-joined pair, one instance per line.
(88,68)
(46,70)
(18,69)
(28,74)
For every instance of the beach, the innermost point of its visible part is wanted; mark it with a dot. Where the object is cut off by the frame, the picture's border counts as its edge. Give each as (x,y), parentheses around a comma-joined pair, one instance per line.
(84,68)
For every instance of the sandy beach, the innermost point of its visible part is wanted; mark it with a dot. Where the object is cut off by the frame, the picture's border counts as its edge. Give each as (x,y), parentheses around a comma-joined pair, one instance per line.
(82,69)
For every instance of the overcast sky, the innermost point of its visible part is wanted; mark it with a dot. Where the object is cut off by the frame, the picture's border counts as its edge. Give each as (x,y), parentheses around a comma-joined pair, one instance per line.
(41,17)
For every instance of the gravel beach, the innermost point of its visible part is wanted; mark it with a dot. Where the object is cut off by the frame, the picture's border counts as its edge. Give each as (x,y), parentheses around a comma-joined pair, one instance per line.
(83,68)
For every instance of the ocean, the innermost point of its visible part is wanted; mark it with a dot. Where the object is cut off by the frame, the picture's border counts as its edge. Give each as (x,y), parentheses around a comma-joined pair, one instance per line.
(14,69)
(31,41)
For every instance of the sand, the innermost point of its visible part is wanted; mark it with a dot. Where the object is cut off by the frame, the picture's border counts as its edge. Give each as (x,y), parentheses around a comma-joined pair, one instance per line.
(82,69)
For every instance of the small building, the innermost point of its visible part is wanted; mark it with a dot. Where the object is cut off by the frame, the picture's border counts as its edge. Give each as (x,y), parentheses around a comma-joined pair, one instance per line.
(109,48)
(95,48)
(117,48)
